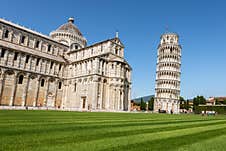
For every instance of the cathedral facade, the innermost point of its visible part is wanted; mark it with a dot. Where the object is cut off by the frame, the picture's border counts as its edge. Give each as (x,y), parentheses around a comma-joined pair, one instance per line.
(60,71)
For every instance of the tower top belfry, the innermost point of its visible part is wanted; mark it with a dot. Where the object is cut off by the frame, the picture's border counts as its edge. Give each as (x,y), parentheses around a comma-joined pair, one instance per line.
(169,38)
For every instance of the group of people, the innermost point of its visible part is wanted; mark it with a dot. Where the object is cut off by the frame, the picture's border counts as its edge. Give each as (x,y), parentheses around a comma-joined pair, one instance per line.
(209,113)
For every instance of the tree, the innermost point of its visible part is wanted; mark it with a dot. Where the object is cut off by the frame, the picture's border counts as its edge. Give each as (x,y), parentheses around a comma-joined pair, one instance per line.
(224,102)
(142,104)
(151,104)
(217,102)
(197,101)
(182,102)
(187,105)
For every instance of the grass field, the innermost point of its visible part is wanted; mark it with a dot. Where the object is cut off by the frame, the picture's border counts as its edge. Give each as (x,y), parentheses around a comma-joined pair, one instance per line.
(54,130)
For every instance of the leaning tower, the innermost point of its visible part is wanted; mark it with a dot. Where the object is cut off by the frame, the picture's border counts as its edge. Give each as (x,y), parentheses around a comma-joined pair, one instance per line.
(167,88)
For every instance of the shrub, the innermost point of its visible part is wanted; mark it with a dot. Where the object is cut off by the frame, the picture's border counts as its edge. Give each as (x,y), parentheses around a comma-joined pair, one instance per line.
(218,109)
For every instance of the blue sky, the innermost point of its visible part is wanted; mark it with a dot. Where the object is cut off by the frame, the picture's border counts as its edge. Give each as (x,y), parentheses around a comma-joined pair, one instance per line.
(201,26)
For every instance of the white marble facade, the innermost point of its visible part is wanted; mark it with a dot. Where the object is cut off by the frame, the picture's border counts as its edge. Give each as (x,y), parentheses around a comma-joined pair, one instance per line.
(167,88)
(61,71)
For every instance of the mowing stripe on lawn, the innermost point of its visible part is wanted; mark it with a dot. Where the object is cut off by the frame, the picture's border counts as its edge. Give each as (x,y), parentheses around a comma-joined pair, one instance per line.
(107,143)
(26,129)
(86,136)
(53,130)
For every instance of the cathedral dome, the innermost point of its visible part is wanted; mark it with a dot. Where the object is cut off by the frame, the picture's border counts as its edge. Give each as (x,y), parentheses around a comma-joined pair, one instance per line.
(70,35)
(69,27)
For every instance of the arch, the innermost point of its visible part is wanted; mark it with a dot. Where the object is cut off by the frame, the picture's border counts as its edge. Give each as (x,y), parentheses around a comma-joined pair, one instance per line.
(6,34)
(42,82)
(32,90)
(32,76)
(171,49)
(75,46)
(21,78)
(51,79)
(8,86)
(20,89)
(63,41)
(42,92)
(9,72)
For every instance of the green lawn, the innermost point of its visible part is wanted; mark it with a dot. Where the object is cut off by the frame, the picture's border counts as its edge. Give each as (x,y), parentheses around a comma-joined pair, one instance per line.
(55,130)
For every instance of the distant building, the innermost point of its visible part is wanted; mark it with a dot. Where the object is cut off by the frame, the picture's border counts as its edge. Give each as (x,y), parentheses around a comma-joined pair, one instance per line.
(134,106)
(167,89)
(216,100)
(190,102)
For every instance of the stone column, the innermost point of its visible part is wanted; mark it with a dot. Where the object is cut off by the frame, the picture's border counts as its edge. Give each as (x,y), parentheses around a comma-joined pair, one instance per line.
(11,36)
(122,101)
(53,68)
(57,87)
(101,91)
(82,68)
(40,46)
(94,95)
(43,65)
(22,61)
(19,39)
(24,103)
(101,65)
(56,51)
(118,98)
(18,60)
(1,83)
(13,61)
(12,98)
(129,98)
(120,70)
(47,67)
(35,103)
(11,58)
(116,69)
(65,93)
(115,98)
(107,96)
(1,34)
(56,69)
(110,97)
(6,57)
(28,65)
(33,64)
(1,62)
(47,91)
(104,69)
(97,65)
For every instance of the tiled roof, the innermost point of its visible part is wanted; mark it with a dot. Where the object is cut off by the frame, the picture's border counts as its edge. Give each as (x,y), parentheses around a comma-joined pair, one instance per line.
(69,27)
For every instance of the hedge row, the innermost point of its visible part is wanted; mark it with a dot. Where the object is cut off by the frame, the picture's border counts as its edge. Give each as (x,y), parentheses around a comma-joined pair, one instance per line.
(218,109)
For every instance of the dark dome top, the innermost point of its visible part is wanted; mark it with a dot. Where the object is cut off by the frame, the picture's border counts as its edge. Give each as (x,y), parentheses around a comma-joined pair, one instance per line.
(69,27)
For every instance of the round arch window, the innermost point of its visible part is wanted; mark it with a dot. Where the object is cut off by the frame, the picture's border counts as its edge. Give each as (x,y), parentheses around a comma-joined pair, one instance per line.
(75,46)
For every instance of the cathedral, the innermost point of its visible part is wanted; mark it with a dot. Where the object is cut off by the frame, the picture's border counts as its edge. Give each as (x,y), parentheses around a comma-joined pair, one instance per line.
(60,71)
